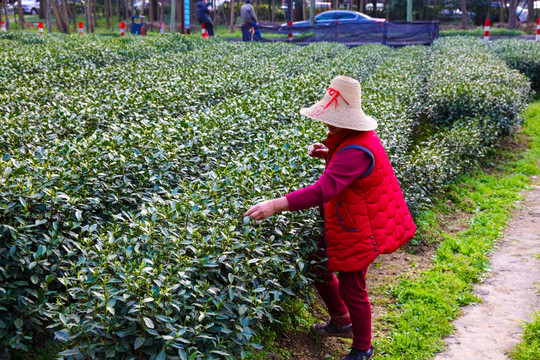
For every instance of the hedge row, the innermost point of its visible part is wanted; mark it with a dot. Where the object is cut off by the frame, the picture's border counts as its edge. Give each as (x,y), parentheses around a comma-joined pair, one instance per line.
(521,55)
(127,164)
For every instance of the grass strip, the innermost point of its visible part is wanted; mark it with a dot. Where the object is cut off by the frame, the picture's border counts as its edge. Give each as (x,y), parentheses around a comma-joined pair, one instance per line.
(529,347)
(479,32)
(425,306)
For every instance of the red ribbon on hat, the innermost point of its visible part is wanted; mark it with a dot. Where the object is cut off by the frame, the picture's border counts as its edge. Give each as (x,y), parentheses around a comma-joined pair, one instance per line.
(336,94)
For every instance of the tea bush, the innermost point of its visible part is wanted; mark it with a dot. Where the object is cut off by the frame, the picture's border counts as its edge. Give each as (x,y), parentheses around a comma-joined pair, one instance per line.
(464,79)
(521,55)
(126,165)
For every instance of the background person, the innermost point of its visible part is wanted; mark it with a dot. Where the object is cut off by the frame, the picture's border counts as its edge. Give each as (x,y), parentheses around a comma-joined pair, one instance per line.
(250,22)
(363,207)
(202,13)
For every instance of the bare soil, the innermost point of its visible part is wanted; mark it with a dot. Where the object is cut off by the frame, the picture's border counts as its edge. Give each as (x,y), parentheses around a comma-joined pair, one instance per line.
(509,294)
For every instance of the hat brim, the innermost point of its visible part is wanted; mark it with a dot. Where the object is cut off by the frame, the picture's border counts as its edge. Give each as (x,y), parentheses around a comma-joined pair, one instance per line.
(353,119)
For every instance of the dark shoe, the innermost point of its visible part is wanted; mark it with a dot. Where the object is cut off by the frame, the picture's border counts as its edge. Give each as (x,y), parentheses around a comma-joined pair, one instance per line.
(332,330)
(356,354)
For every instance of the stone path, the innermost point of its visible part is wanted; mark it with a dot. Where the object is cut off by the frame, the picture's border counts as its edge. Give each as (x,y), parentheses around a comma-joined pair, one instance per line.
(487,331)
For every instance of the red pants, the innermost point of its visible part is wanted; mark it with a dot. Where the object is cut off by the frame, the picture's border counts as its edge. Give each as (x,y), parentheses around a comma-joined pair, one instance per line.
(348,295)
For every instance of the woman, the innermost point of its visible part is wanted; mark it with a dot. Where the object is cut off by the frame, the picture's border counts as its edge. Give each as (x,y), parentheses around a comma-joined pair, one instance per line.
(363,208)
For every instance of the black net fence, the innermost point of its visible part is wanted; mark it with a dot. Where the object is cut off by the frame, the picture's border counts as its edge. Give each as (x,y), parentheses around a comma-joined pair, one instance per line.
(392,33)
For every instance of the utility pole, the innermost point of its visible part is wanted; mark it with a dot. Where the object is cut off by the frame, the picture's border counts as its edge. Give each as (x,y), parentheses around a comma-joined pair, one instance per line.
(173,14)
(86,15)
(312,13)
(409,10)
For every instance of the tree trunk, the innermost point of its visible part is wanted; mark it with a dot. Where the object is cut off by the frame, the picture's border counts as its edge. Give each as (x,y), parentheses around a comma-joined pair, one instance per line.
(271,9)
(74,15)
(60,21)
(111,14)
(65,14)
(90,17)
(501,11)
(48,16)
(464,17)
(179,11)
(21,15)
(151,16)
(512,15)
(107,16)
(362,6)
(42,9)
(162,12)
(6,15)
(86,16)
(232,17)
(336,4)
(95,16)
(530,17)
(304,14)
(131,8)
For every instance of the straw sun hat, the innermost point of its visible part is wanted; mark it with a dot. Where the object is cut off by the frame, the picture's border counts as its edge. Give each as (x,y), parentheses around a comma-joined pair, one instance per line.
(341,106)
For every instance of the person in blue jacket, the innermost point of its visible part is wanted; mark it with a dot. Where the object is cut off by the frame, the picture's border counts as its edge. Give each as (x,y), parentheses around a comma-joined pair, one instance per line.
(202,13)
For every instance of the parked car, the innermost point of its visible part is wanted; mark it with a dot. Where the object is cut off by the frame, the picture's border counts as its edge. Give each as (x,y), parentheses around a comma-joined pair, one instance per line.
(522,13)
(448,14)
(339,16)
(28,6)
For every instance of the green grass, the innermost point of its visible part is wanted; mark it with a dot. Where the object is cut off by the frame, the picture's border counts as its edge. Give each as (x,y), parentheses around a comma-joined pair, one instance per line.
(529,348)
(479,31)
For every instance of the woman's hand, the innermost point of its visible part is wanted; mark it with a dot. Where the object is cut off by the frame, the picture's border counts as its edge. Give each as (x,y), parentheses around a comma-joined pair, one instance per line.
(267,208)
(318,151)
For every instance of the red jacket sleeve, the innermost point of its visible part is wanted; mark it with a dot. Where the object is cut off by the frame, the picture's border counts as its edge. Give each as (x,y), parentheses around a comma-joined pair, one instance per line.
(347,166)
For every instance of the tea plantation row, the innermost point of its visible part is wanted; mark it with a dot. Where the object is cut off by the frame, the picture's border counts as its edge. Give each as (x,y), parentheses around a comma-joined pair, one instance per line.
(126,164)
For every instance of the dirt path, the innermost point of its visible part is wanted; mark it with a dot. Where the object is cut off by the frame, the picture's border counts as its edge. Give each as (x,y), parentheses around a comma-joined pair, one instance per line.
(488,330)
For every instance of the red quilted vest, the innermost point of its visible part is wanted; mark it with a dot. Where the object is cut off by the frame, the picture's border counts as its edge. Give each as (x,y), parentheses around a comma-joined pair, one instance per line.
(370,216)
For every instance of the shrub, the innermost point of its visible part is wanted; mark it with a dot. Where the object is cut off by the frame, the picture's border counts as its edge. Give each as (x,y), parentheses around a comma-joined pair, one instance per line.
(127,164)
(522,55)
(465,80)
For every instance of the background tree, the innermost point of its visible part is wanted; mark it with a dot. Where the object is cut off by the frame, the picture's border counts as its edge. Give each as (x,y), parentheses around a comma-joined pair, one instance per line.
(232,16)
(360,5)
(107,14)
(42,9)
(6,15)
(512,14)
(531,18)
(464,14)
(62,21)
(21,15)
